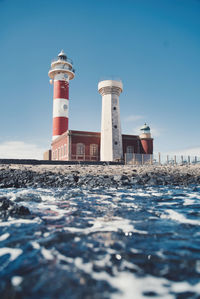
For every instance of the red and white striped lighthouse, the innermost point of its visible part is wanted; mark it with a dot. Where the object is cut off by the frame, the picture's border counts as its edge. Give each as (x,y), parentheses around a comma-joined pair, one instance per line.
(60,73)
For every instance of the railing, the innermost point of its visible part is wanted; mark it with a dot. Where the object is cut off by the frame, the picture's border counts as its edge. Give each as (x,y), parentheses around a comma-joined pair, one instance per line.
(160,159)
(138,159)
(63,67)
(67,60)
(164,159)
(84,158)
(110,78)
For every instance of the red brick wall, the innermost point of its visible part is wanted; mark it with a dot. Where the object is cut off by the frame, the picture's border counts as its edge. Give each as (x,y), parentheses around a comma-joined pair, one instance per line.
(86,138)
(58,145)
(131,140)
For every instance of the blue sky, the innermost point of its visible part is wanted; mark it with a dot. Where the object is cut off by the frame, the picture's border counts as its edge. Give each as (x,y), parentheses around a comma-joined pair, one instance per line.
(153,46)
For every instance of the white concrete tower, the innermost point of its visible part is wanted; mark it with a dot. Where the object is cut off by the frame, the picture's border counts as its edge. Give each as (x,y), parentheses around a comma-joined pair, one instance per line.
(111,138)
(60,73)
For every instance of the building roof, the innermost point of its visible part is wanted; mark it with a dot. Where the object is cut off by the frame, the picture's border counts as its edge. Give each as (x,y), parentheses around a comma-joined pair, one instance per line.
(62,54)
(145,127)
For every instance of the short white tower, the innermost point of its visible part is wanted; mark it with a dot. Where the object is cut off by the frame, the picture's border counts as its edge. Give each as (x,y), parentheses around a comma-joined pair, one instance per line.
(111,138)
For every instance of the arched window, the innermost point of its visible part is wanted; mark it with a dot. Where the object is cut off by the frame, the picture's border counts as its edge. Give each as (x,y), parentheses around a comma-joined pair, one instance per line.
(93,149)
(80,149)
(62,154)
(130,149)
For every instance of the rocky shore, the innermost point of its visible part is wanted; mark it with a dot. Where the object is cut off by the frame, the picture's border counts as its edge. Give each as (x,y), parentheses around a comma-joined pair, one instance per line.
(22,176)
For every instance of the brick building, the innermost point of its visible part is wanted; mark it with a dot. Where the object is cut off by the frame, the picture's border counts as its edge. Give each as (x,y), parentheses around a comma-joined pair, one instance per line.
(85,146)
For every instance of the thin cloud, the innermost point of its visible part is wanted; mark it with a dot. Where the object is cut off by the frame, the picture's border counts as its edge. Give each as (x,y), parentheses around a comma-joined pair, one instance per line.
(20,150)
(133,118)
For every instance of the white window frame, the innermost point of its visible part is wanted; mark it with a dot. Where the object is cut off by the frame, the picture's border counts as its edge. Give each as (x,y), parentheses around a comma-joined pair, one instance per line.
(93,150)
(80,149)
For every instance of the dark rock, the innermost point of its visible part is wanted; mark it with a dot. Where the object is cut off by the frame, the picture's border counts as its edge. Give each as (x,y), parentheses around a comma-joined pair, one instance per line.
(124,177)
(5,204)
(21,210)
(76,178)
(9,208)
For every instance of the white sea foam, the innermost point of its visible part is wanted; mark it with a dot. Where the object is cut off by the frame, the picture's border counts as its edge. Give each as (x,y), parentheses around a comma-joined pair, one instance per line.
(188,201)
(167,203)
(185,287)
(4,237)
(35,245)
(194,195)
(13,252)
(47,254)
(111,224)
(130,286)
(16,280)
(18,222)
(127,284)
(173,215)
(62,257)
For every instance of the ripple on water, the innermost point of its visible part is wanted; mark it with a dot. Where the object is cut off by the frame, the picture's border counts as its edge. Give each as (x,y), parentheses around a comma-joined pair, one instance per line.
(102,243)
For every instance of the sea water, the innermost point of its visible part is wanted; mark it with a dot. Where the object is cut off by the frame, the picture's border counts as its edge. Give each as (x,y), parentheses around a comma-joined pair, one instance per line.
(142,242)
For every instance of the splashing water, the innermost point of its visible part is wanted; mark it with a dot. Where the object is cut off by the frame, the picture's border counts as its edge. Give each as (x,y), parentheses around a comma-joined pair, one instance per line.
(94,243)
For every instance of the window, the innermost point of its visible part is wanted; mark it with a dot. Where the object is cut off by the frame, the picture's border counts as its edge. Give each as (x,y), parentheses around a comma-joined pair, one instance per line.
(65,150)
(56,156)
(62,154)
(114,108)
(115,142)
(80,149)
(115,127)
(59,153)
(130,149)
(93,149)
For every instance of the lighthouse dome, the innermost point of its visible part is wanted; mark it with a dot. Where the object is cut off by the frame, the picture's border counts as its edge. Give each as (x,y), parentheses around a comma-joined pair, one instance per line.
(145,128)
(62,55)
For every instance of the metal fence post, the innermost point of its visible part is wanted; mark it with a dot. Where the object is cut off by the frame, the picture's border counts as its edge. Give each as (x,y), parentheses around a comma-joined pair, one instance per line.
(142,159)
(159,158)
(182,159)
